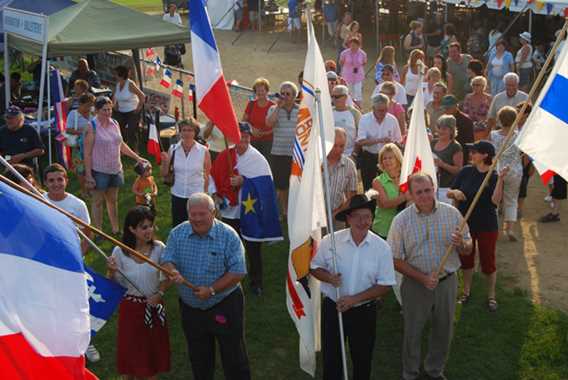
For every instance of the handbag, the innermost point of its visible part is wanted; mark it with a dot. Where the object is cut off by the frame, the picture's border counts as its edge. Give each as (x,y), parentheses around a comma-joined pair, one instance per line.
(169,178)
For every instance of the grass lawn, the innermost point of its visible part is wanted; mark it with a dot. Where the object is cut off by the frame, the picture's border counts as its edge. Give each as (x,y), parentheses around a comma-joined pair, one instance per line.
(520,341)
(142,5)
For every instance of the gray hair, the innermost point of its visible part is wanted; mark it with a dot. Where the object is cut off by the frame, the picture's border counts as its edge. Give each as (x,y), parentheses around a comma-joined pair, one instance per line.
(448,121)
(291,85)
(340,132)
(201,199)
(380,99)
(511,76)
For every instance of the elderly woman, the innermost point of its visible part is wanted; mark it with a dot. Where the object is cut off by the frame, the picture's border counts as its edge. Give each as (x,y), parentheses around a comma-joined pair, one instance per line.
(103,169)
(128,101)
(482,223)
(511,159)
(411,75)
(143,345)
(353,61)
(376,128)
(188,164)
(500,62)
(448,155)
(282,118)
(476,104)
(255,113)
(395,109)
(433,76)
(524,61)
(434,109)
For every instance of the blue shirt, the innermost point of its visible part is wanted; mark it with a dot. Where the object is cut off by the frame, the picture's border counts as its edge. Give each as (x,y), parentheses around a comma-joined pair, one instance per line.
(203,260)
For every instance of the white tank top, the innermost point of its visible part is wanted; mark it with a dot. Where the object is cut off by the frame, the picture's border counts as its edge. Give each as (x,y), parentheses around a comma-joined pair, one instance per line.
(127,101)
(411,83)
(188,170)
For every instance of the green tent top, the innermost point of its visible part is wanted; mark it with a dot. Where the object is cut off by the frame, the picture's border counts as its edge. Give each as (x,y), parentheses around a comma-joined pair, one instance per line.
(95,26)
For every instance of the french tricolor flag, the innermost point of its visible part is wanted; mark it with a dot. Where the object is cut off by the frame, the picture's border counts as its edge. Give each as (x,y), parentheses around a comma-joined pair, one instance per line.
(166,79)
(44,302)
(178,89)
(212,92)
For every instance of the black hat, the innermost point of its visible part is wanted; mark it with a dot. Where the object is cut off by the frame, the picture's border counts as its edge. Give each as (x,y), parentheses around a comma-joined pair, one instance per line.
(14,111)
(245,127)
(357,201)
(483,147)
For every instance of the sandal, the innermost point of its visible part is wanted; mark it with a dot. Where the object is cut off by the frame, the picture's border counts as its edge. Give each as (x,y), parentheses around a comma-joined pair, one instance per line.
(492,305)
(550,217)
(464,298)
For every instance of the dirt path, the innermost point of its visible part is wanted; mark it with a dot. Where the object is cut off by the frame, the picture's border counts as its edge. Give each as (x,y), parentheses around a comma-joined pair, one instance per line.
(537,263)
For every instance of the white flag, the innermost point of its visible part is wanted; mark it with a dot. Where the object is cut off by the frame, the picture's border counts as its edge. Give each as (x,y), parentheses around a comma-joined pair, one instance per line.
(306,207)
(545,133)
(417,152)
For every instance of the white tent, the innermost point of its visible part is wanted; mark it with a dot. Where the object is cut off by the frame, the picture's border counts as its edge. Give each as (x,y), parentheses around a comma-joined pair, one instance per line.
(221,13)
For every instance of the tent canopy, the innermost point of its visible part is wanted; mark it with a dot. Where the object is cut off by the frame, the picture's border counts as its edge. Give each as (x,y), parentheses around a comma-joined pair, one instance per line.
(94,26)
(545,7)
(35,6)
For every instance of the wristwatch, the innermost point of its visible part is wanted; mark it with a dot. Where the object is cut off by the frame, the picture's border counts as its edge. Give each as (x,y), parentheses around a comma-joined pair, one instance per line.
(212,291)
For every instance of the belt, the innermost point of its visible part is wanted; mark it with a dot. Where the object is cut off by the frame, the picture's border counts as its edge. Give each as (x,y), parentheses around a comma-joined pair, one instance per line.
(366,304)
(444,278)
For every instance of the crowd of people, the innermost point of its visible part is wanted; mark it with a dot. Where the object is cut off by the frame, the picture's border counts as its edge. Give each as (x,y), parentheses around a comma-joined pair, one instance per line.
(471,103)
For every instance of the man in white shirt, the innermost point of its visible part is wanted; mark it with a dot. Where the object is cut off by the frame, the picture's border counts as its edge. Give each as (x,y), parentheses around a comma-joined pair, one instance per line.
(364,272)
(345,116)
(55,179)
(376,129)
(388,76)
(172,16)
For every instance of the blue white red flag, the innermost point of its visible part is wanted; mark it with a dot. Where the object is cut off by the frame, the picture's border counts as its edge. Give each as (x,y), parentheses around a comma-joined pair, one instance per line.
(44,307)
(166,79)
(212,92)
(178,89)
(104,297)
(58,99)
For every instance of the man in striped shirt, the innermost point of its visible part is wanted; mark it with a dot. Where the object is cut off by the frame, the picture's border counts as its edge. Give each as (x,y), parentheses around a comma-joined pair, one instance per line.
(342,176)
(419,237)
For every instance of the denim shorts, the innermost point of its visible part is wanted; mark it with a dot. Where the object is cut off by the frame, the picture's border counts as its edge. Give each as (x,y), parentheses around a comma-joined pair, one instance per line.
(103,181)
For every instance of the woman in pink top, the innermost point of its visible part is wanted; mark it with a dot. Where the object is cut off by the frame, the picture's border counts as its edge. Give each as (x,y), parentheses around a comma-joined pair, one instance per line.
(353,61)
(103,169)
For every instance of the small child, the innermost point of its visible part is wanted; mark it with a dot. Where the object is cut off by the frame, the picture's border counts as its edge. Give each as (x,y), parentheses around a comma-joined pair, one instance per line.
(144,187)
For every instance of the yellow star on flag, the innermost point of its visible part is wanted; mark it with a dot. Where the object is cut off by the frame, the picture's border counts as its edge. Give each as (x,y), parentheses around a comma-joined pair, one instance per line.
(249,204)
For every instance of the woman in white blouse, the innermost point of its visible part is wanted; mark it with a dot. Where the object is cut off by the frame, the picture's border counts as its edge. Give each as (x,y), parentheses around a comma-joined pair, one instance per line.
(143,346)
(190,163)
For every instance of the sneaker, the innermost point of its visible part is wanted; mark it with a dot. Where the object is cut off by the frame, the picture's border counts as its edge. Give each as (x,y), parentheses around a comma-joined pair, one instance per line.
(549,218)
(92,354)
(548,199)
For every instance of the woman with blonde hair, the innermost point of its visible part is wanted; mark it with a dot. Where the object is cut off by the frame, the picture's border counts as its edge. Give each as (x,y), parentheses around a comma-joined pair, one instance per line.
(433,76)
(386,57)
(411,73)
(414,39)
(476,104)
(395,108)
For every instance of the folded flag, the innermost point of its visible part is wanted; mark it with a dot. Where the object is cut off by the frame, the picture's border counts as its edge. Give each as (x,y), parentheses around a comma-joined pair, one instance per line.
(153,144)
(178,89)
(104,297)
(166,79)
(44,306)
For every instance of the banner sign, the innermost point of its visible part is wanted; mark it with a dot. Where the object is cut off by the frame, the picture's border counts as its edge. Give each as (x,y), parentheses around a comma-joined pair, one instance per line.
(25,24)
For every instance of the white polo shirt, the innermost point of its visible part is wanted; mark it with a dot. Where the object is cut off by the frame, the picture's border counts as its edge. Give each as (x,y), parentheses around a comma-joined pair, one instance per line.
(399,93)
(370,128)
(361,267)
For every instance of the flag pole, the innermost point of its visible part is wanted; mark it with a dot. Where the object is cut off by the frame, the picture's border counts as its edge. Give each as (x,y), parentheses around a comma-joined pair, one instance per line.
(532,92)
(80,222)
(330,228)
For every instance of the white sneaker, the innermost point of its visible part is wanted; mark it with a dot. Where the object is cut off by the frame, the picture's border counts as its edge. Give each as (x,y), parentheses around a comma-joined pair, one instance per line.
(92,354)
(548,198)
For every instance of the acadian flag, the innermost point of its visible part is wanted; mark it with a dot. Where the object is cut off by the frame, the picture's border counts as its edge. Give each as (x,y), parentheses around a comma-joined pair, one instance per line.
(212,92)
(104,297)
(44,302)
(166,79)
(544,135)
(306,207)
(178,89)
(58,98)
(417,152)
(153,144)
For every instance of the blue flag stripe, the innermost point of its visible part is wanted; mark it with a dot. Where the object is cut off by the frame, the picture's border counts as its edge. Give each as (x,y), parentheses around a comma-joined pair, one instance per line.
(554,101)
(200,24)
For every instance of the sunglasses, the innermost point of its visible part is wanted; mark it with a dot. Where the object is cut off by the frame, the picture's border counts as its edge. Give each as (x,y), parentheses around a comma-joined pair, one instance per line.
(337,96)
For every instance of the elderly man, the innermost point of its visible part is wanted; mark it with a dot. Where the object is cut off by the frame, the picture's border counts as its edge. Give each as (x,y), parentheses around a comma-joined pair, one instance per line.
(210,255)
(345,116)
(464,125)
(84,72)
(19,143)
(419,237)
(376,129)
(342,176)
(457,67)
(510,97)
(364,273)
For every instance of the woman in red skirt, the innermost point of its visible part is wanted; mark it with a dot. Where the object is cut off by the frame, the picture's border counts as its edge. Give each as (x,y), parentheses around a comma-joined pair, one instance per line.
(143,346)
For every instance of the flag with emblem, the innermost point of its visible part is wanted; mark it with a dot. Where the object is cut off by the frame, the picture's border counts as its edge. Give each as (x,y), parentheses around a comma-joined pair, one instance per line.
(417,152)
(544,135)
(104,297)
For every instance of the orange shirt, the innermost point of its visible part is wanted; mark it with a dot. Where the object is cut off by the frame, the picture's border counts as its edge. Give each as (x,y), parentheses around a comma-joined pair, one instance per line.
(143,185)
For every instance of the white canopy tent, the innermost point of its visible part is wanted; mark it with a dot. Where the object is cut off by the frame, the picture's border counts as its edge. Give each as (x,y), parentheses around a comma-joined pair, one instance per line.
(548,7)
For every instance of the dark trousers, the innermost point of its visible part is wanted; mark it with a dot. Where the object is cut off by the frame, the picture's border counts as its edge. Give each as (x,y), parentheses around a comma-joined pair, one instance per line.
(179,210)
(254,255)
(128,122)
(223,323)
(368,165)
(359,326)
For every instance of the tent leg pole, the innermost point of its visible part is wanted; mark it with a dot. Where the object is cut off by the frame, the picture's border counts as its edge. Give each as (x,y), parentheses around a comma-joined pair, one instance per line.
(6,71)
(49,150)
(530,21)
(182,96)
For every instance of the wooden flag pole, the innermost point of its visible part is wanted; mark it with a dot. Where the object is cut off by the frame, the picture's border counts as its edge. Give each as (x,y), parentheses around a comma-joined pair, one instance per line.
(78,221)
(532,92)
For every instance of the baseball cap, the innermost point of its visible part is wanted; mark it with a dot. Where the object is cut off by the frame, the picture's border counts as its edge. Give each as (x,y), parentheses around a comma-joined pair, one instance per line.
(482,146)
(449,101)
(13,111)
(331,75)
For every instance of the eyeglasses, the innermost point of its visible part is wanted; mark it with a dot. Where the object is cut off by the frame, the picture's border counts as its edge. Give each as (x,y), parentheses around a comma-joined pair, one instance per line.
(337,96)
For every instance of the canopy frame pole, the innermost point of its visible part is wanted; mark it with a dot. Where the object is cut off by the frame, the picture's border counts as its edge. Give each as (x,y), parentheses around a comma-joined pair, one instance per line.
(43,76)
(6,72)
(49,150)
